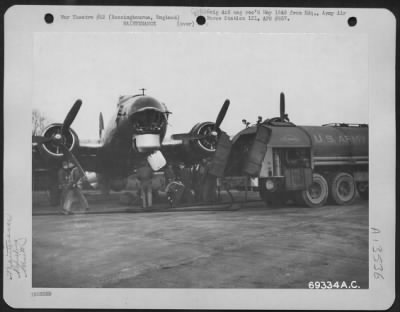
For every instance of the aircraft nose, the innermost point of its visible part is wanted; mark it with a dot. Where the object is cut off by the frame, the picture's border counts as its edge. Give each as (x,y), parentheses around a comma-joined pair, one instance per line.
(147,121)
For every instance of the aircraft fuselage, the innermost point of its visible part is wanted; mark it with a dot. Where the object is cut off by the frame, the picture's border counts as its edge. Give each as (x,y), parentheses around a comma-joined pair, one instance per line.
(135,130)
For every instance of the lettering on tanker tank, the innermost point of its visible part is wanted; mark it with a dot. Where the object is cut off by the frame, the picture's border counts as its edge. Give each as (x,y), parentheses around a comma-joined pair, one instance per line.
(290,139)
(341,139)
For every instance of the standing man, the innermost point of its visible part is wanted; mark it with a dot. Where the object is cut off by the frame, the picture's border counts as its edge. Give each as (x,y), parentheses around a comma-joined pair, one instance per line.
(186,178)
(169,174)
(145,176)
(201,179)
(71,192)
(63,183)
(210,184)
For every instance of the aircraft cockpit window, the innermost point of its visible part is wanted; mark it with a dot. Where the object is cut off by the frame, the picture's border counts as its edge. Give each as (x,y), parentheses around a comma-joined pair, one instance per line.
(148,120)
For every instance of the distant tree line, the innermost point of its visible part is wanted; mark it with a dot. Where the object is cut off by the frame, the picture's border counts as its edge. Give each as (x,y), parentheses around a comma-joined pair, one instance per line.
(39,122)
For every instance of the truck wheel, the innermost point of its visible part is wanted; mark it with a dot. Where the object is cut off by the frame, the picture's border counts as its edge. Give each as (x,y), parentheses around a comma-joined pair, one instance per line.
(342,188)
(317,193)
(362,188)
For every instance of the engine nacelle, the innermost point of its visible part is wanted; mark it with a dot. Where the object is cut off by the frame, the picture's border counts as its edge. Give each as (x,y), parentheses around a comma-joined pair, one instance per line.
(53,150)
(203,147)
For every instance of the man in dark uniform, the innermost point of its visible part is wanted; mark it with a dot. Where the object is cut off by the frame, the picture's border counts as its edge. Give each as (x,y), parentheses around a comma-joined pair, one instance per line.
(201,171)
(185,176)
(169,174)
(210,183)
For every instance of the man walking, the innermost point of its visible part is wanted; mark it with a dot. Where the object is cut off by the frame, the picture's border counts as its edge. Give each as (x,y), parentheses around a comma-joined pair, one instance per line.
(68,179)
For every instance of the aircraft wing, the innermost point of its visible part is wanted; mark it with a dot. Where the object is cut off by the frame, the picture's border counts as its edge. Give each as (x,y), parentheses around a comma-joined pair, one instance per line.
(86,154)
(193,151)
(175,151)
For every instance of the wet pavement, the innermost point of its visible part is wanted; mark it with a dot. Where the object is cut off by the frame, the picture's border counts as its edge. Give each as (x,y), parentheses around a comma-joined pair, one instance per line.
(245,246)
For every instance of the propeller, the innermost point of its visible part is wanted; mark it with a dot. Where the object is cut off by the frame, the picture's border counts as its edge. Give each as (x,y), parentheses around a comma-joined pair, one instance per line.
(221,114)
(71,157)
(282,106)
(71,116)
(58,139)
(213,132)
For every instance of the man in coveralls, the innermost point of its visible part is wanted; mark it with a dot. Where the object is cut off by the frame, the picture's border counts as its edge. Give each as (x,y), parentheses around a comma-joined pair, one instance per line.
(169,174)
(145,176)
(185,176)
(199,173)
(68,178)
(209,183)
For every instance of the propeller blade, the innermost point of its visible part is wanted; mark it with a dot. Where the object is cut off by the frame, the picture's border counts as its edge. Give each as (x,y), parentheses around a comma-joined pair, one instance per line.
(40,139)
(71,157)
(282,106)
(71,116)
(188,136)
(214,132)
(221,114)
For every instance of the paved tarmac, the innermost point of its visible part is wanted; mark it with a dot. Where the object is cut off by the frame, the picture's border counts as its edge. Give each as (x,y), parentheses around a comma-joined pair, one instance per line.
(250,247)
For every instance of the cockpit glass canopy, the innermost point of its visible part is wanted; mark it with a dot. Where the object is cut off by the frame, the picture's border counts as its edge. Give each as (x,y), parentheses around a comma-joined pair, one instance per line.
(146,113)
(148,119)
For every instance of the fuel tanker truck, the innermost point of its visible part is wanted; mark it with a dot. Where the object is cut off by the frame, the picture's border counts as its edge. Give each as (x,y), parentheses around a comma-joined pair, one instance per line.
(308,164)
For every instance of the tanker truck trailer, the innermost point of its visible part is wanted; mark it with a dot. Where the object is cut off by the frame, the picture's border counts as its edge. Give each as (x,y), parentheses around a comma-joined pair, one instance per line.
(309,164)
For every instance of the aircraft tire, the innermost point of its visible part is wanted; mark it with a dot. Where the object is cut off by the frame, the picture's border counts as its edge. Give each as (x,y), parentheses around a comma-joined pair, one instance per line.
(342,189)
(316,195)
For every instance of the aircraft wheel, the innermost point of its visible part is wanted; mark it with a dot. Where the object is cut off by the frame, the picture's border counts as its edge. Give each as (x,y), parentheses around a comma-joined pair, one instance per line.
(342,188)
(363,190)
(316,195)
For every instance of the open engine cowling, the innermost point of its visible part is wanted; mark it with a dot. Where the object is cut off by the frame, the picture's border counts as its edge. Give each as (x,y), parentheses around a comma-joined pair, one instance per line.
(50,149)
(206,146)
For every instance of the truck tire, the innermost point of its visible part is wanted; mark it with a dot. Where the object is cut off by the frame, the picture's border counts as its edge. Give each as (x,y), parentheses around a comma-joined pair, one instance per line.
(363,190)
(316,195)
(342,189)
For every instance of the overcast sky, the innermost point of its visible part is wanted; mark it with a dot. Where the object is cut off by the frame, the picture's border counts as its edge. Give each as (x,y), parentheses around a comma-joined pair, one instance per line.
(324,77)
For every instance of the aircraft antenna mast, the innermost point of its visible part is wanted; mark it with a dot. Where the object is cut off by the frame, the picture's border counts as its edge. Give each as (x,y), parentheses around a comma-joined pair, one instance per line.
(142,89)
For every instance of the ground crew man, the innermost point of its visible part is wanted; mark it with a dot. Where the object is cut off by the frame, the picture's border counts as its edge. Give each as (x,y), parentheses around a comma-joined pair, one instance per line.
(63,182)
(68,178)
(210,184)
(185,176)
(200,178)
(169,174)
(145,176)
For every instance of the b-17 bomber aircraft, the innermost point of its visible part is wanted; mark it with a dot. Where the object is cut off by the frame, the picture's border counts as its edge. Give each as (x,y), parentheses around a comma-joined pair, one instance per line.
(309,164)
(135,133)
